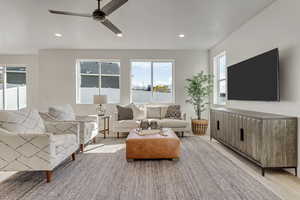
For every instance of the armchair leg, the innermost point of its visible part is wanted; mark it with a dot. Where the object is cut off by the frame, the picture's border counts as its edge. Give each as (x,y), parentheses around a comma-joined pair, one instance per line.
(48,176)
(94,140)
(118,134)
(81,147)
(73,156)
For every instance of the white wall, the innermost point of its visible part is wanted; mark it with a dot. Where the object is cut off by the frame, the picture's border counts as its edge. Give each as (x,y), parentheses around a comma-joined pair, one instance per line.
(31,62)
(57,73)
(277,26)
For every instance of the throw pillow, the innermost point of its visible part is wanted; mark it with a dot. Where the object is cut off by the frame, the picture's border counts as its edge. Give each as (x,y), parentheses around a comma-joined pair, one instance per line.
(138,113)
(173,112)
(124,113)
(24,121)
(164,109)
(153,112)
(62,113)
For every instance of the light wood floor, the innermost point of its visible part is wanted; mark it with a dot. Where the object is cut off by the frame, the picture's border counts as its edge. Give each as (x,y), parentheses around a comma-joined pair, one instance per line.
(284,184)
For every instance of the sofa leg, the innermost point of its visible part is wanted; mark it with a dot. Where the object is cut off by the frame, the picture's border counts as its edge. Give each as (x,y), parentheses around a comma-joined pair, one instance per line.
(94,140)
(118,134)
(73,156)
(81,147)
(48,176)
(182,134)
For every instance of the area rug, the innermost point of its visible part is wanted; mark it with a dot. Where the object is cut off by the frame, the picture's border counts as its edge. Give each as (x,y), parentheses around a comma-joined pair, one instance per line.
(102,173)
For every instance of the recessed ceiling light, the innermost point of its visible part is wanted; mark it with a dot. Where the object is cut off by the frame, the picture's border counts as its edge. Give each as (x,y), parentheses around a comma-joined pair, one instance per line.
(120,35)
(58,35)
(181,35)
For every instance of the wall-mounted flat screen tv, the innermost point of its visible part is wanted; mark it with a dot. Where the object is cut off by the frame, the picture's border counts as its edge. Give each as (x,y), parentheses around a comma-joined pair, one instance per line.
(255,79)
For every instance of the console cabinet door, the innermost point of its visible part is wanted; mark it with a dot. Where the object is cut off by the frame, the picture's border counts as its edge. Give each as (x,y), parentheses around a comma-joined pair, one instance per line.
(235,125)
(226,128)
(231,129)
(222,126)
(239,141)
(218,125)
(252,144)
(213,121)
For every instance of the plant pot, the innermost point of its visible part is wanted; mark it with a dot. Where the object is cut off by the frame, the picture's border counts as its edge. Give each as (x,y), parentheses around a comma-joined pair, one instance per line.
(199,127)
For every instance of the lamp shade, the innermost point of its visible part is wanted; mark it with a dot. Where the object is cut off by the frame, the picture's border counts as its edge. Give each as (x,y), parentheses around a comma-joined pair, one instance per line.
(100,99)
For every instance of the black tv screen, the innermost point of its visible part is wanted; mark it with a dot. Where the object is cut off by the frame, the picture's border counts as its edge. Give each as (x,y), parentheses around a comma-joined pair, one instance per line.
(255,79)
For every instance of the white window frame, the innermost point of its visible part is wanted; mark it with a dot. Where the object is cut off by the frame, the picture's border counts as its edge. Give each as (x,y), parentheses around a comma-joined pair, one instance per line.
(217,80)
(4,100)
(154,61)
(78,75)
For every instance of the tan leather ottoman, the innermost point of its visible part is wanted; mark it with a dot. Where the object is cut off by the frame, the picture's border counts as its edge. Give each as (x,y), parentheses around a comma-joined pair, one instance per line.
(153,146)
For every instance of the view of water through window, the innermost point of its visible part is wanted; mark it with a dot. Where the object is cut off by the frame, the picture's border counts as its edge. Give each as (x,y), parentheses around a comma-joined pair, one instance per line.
(151,82)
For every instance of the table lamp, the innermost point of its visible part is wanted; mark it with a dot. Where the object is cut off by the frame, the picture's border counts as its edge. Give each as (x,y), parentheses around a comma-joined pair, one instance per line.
(99,100)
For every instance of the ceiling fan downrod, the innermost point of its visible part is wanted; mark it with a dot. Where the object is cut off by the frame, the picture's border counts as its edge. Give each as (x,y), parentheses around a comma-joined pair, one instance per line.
(98,4)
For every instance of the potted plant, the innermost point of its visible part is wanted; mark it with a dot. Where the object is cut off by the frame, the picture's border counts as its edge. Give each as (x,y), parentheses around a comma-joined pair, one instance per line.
(199,88)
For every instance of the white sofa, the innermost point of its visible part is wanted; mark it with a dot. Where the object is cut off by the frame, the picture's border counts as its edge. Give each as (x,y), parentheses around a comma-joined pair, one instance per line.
(124,126)
(88,125)
(31,150)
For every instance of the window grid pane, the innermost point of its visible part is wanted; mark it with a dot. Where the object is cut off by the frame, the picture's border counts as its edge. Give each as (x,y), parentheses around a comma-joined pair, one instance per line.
(151,82)
(14,88)
(95,74)
(162,82)
(222,67)
(1,88)
(141,90)
(221,80)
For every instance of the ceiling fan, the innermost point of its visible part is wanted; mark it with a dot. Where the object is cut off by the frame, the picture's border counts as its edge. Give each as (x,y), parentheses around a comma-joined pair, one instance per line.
(99,14)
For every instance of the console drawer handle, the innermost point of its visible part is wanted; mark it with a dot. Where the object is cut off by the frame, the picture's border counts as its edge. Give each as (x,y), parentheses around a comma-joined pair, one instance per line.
(242,134)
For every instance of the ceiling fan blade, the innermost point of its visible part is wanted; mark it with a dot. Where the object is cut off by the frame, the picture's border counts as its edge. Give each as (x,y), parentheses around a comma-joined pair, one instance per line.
(69,13)
(111,26)
(112,6)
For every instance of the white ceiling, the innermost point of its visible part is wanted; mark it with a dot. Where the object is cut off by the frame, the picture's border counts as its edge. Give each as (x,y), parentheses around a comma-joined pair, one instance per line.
(26,25)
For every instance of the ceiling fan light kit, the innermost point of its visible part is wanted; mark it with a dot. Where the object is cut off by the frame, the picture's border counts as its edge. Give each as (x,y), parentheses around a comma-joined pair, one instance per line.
(100,14)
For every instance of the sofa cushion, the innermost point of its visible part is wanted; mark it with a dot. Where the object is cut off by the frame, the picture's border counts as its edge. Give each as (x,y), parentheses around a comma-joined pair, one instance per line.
(173,112)
(24,121)
(127,124)
(172,123)
(124,113)
(63,112)
(138,113)
(153,112)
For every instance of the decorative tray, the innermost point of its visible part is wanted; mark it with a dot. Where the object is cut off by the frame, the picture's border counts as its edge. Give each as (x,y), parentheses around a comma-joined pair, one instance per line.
(151,132)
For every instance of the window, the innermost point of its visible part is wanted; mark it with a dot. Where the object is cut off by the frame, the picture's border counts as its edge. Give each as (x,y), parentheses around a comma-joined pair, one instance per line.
(12,88)
(152,82)
(220,72)
(95,77)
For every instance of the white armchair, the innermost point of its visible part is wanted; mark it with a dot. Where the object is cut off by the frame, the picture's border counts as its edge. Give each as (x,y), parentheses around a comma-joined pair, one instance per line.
(88,125)
(38,151)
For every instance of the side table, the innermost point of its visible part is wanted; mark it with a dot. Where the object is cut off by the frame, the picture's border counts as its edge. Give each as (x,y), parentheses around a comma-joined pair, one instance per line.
(105,130)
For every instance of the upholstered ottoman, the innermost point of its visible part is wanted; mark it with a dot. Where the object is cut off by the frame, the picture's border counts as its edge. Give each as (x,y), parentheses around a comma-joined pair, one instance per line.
(153,146)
